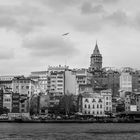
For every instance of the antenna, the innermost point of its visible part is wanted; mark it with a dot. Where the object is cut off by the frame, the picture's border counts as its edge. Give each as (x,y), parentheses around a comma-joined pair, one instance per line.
(65,61)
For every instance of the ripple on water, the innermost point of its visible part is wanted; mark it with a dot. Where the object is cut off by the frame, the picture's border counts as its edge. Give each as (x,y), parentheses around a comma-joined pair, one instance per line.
(105,131)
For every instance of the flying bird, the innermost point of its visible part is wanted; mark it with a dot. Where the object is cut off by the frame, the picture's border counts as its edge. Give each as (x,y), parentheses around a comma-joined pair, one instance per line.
(65,34)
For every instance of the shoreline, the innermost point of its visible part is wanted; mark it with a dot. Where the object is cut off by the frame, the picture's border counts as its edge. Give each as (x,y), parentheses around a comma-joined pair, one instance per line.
(64,121)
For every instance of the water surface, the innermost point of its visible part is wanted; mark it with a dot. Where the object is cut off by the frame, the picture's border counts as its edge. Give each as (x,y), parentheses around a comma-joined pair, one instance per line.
(70,131)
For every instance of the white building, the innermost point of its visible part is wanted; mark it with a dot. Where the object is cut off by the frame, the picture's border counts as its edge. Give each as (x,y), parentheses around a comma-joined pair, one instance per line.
(96,104)
(70,82)
(6,81)
(7,101)
(41,77)
(56,83)
(125,83)
(26,87)
(107,95)
(23,85)
(61,80)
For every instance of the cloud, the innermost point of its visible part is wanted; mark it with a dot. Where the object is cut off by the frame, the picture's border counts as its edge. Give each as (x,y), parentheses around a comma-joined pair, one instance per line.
(6,54)
(118,18)
(21,18)
(94,23)
(88,8)
(110,1)
(50,46)
(136,23)
(60,4)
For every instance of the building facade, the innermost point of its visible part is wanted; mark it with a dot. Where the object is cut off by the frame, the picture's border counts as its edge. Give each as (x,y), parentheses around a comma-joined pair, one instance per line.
(70,82)
(15,103)
(7,101)
(6,81)
(125,83)
(96,104)
(25,87)
(41,77)
(83,79)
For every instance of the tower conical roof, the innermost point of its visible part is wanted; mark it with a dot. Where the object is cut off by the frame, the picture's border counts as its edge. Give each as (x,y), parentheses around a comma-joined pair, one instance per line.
(96,50)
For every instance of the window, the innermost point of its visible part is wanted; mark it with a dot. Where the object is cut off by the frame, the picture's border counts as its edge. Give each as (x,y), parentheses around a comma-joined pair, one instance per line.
(59,81)
(93,100)
(97,112)
(86,100)
(59,85)
(16,87)
(97,106)
(89,112)
(106,103)
(85,112)
(93,112)
(27,87)
(85,106)
(60,77)
(59,89)
(106,98)
(22,87)
(100,101)
(100,105)
(101,112)
(88,106)
(23,105)
(107,108)
(93,106)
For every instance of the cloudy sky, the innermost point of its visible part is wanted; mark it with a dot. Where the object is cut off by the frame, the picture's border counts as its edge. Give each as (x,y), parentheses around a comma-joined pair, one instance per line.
(31,33)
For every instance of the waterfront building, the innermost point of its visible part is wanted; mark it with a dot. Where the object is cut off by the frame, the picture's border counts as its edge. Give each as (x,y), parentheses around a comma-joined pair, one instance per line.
(130,101)
(1,101)
(6,81)
(7,100)
(56,80)
(15,103)
(56,83)
(107,95)
(137,100)
(97,104)
(24,103)
(41,77)
(23,85)
(70,82)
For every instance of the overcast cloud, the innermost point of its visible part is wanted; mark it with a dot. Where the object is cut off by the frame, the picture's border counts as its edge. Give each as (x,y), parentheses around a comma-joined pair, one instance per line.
(31,33)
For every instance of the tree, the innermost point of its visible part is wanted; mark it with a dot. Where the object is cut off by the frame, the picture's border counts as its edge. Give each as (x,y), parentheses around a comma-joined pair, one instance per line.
(34,105)
(67,105)
(5,110)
